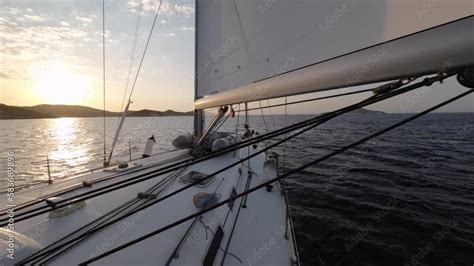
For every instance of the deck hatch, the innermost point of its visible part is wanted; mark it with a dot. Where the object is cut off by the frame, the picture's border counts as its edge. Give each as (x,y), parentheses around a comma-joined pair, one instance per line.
(214,247)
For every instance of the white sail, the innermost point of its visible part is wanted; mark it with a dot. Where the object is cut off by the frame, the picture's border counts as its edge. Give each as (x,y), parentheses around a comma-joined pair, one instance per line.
(240,43)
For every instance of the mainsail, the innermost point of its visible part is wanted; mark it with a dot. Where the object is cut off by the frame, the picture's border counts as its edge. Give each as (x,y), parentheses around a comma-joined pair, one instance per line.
(253,50)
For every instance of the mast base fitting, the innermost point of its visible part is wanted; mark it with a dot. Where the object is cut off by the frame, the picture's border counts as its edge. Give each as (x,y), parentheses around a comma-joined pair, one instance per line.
(466,77)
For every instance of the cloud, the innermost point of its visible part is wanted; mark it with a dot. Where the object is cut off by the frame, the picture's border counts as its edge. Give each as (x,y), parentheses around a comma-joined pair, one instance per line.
(28,50)
(108,35)
(186,9)
(64,23)
(12,11)
(4,76)
(32,43)
(85,19)
(35,18)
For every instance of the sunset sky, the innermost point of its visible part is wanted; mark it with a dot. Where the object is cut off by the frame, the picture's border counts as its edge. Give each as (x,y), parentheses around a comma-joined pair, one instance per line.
(51,52)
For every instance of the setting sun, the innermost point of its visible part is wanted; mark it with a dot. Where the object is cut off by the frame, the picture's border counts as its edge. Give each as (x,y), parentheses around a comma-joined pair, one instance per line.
(57,85)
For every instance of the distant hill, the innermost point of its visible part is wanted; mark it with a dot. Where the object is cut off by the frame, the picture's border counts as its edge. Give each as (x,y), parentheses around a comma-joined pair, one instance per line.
(146,112)
(13,112)
(54,111)
(69,110)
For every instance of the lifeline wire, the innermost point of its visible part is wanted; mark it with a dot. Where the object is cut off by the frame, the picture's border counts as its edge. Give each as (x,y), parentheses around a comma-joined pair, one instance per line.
(262,185)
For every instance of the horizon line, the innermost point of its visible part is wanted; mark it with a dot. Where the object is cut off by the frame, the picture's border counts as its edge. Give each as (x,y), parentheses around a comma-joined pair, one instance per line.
(385,112)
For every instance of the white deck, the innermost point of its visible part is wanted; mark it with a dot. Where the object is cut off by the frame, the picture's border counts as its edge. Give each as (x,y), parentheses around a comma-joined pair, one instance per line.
(257,239)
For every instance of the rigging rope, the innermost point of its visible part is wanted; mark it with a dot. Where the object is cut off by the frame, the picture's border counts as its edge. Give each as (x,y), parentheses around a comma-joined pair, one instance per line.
(146,48)
(50,249)
(77,186)
(237,125)
(427,81)
(219,125)
(263,117)
(285,175)
(313,99)
(264,122)
(132,56)
(271,114)
(314,123)
(117,134)
(310,123)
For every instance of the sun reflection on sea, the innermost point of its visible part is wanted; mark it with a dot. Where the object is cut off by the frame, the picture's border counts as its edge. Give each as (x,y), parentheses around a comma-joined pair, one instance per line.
(64,133)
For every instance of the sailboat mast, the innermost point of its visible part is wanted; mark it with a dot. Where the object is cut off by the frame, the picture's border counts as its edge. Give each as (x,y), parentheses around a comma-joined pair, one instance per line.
(198,114)
(103,79)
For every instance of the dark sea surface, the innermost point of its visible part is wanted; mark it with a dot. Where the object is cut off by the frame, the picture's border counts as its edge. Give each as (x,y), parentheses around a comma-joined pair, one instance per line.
(404,198)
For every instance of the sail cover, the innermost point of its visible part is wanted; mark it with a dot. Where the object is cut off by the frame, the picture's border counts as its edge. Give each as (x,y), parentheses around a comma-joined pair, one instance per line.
(256,49)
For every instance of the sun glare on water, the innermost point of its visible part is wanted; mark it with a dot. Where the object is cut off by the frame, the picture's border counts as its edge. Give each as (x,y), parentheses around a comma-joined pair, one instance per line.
(57,85)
